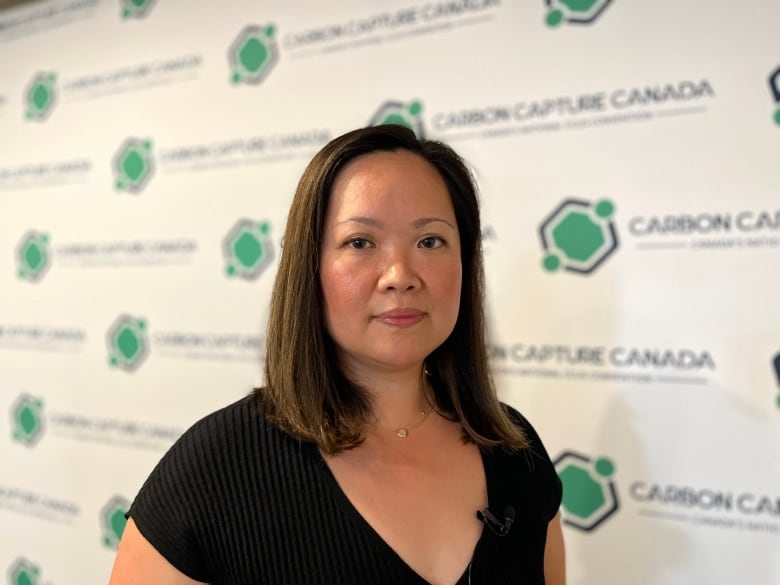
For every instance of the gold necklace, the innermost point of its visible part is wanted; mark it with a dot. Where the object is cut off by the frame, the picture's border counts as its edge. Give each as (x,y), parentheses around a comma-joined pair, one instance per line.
(403,432)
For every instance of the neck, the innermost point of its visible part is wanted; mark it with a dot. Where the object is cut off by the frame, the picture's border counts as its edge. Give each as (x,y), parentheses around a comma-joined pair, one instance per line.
(400,399)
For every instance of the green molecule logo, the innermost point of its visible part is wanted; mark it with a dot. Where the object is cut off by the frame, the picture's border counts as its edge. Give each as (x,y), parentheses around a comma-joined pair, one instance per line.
(127,343)
(23,572)
(589,493)
(253,54)
(776,364)
(248,249)
(133,165)
(135,8)
(113,521)
(578,236)
(774,86)
(408,115)
(574,11)
(33,256)
(27,420)
(40,95)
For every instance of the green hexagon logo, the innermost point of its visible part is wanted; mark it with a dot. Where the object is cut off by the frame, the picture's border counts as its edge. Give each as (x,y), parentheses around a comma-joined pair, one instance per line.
(408,115)
(33,256)
(589,493)
(248,249)
(253,54)
(127,343)
(23,572)
(133,165)
(113,520)
(40,96)
(774,86)
(574,11)
(27,420)
(578,236)
(135,8)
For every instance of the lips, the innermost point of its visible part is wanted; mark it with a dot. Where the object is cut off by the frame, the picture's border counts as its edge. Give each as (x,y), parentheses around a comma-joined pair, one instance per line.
(401,317)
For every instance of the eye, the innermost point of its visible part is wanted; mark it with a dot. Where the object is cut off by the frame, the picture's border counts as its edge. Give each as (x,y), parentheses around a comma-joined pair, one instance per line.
(358,243)
(431,242)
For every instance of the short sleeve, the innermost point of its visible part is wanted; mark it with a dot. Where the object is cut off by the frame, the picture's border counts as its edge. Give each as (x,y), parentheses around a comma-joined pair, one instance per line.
(546,483)
(169,508)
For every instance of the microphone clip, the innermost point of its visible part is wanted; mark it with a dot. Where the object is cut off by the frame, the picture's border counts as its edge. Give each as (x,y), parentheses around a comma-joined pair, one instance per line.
(498,527)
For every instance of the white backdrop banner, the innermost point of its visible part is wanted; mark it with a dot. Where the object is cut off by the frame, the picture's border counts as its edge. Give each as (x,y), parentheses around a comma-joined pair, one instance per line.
(627,156)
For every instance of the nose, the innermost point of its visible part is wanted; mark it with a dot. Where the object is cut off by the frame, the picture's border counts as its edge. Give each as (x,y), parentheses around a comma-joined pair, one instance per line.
(398,275)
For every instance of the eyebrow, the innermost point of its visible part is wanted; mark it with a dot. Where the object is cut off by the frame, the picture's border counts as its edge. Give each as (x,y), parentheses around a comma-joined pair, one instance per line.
(373,222)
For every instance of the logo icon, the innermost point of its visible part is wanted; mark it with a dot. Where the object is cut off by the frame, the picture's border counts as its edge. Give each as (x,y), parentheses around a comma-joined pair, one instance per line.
(27,420)
(135,8)
(578,236)
(23,572)
(776,363)
(133,165)
(408,115)
(32,256)
(40,95)
(574,11)
(589,494)
(774,86)
(127,343)
(253,54)
(113,521)
(248,249)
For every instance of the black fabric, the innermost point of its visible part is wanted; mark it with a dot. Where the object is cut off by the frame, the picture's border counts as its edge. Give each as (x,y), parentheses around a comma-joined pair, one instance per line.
(236,501)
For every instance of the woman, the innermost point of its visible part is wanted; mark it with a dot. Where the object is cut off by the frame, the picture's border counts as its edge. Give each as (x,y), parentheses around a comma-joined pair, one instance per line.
(378,436)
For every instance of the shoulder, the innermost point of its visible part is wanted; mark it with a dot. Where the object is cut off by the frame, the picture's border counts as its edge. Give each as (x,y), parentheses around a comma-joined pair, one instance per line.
(225,438)
(535,444)
(241,413)
(199,485)
(206,438)
(206,456)
(199,451)
(530,469)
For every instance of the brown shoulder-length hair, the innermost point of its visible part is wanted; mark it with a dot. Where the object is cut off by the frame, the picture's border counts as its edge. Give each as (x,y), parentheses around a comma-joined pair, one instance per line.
(306,393)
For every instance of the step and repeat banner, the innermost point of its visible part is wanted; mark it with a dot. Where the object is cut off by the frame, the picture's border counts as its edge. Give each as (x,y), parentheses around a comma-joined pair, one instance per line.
(627,156)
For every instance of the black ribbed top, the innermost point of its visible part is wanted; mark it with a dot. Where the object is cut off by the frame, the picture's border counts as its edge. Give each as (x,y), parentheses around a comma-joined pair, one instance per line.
(236,501)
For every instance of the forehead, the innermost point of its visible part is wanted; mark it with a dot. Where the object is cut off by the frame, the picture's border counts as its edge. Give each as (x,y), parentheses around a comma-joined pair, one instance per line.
(384,181)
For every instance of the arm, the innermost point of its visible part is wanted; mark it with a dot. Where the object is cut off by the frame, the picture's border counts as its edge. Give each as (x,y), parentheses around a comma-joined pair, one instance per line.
(138,563)
(554,554)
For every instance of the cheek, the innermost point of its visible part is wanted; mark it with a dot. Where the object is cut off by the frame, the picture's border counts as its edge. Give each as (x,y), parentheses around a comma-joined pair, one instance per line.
(341,288)
(448,284)
(458,277)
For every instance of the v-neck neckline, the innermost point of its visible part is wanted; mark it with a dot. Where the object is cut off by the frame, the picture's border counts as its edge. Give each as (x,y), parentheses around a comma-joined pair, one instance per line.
(349,507)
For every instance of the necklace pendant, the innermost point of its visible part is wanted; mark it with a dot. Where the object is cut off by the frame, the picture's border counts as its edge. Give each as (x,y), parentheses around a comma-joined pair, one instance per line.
(403,433)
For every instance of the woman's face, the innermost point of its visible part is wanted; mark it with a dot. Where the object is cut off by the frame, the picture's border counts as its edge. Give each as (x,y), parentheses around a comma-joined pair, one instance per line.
(390,265)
